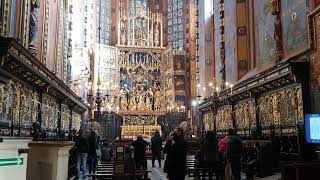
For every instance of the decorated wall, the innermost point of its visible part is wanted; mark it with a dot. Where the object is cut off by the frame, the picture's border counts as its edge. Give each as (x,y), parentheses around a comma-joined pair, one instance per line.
(106,72)
(217,38)
(264,33)
(230,40)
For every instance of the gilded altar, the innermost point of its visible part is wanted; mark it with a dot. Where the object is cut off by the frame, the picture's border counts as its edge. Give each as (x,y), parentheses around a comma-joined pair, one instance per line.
(144,70)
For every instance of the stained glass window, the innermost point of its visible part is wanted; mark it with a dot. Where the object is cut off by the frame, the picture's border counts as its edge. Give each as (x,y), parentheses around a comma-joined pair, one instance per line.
(105,21)
(175,23)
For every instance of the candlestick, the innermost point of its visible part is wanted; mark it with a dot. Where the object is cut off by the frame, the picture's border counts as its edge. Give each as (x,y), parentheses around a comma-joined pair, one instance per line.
(231,86)
(92,114)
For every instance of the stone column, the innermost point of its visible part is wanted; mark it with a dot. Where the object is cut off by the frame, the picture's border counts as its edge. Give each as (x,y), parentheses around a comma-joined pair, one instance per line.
(133,32)
(161,32)
(14,158)
(148,29)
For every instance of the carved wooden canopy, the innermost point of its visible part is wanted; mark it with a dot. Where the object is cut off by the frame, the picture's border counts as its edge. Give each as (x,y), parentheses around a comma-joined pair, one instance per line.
(19,64)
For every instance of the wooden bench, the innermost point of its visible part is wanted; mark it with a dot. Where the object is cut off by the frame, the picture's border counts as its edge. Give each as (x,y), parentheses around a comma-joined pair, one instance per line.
(203,173)
(134,175)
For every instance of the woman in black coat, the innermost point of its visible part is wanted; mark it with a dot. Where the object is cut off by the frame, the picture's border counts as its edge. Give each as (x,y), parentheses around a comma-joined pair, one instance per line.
(177,156)
(168,151)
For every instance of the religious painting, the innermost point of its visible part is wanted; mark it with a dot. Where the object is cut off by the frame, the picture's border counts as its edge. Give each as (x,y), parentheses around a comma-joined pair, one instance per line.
(76,121)
(245,114)
(65,117)
(315,65)
(281,109)
(180,100)
(294,23)
(208,121)
(223,118)
(230,33)
(50,111)
(264,33)
(179,82)
(179,63)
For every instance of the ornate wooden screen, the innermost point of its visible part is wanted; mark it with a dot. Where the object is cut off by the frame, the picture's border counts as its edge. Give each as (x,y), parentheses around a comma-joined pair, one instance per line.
(224,118)
(281,109)
(208,121)
(245,116)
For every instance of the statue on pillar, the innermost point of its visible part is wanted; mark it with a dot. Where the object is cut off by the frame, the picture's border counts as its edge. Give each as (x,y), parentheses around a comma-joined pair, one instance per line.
(34,24)
(123,35)
(157,100)
(156,35)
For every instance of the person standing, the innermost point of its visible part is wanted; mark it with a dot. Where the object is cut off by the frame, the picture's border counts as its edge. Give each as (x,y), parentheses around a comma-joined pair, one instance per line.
(140,157)
(92,155)
(209,151)
(234,150)
(222,147)
(178,155)
(106,152)
(156,147)
(82,148)
(168,151)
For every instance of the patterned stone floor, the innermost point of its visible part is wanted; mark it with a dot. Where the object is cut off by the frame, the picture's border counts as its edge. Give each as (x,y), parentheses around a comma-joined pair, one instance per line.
(158,174)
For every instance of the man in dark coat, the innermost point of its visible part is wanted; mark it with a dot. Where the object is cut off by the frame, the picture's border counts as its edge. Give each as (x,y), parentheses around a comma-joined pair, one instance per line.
(82,149)
(156,147)
(140,157)
(234,153)
(92,155)
(177,167)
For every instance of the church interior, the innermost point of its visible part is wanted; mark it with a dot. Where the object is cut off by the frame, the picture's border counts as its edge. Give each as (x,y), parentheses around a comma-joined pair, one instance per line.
(127,68)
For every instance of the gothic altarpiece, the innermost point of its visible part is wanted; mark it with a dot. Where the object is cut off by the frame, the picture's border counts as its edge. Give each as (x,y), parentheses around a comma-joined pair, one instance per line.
(145,80)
